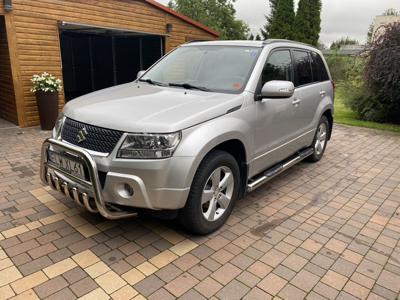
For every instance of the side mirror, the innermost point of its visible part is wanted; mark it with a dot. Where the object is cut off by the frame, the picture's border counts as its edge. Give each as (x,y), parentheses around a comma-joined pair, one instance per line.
(277,89)
(140,74)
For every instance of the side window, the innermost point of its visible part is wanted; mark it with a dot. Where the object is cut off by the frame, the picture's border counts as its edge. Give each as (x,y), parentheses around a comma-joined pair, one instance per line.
(278,67)
(302,68)
(319,70)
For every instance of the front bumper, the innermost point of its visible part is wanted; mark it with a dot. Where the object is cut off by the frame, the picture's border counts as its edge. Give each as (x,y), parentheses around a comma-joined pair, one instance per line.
(103,195)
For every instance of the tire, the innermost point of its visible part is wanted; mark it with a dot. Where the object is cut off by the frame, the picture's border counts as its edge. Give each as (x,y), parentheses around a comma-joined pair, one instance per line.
(216,184)
(320,140)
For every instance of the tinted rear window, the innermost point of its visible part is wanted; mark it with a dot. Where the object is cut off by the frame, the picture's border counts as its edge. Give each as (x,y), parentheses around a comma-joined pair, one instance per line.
(319,70)
(302,68)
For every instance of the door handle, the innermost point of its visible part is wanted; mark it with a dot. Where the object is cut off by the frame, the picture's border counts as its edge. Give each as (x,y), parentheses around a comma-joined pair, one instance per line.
(296,102)
(322,93)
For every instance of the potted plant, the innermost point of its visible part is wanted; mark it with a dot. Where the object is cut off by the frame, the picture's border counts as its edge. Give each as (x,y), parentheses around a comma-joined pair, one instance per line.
(46,88)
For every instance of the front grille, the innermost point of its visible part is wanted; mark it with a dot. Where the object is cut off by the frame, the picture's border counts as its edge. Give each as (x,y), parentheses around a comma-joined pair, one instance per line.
(97,139)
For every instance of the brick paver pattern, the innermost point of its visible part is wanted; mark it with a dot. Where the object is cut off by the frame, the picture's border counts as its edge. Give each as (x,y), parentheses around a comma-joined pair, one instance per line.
(319,231)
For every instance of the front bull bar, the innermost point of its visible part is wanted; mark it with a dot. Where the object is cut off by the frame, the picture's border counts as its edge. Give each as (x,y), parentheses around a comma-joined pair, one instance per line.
(71,191)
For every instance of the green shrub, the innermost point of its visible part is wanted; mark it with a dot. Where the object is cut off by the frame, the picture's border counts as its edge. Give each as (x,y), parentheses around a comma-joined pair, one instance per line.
(344,41)
(337,65)
(340,66)
(382,74)
(372,83)
(357,95)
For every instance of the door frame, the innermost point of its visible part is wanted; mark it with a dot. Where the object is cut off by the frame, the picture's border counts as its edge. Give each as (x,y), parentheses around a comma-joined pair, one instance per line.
(15,67)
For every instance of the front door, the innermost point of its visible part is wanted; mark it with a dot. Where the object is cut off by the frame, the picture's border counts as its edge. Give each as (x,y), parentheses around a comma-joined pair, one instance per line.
(275,128)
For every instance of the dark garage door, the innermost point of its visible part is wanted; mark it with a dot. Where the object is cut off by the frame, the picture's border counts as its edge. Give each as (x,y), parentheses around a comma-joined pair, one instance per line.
(94,59)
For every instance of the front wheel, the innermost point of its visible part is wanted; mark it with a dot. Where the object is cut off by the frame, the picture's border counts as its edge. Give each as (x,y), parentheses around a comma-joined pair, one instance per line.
(214,190)
(320,140)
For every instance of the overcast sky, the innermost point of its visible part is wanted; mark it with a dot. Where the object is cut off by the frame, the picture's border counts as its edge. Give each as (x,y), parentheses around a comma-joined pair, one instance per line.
(339,17)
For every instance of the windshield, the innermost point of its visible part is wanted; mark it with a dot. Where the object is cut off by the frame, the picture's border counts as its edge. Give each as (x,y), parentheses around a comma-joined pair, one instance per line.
(224,69)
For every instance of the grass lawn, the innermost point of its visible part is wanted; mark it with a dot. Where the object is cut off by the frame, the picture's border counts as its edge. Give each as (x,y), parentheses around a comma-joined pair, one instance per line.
(345,116)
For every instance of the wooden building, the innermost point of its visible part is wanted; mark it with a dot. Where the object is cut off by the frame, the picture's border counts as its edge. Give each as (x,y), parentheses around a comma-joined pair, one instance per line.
(89,44)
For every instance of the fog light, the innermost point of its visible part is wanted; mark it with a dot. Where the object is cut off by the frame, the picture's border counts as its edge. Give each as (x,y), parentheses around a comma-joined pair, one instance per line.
(125,190)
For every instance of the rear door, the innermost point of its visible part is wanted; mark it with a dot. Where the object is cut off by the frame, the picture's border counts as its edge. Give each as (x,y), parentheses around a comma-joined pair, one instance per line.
(321,77)
(307,93)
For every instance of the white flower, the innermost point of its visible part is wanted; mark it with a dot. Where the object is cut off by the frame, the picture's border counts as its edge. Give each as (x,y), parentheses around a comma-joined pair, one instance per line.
(45,82)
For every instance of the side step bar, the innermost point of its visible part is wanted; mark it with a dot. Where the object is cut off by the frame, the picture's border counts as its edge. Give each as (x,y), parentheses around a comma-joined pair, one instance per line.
(266,176)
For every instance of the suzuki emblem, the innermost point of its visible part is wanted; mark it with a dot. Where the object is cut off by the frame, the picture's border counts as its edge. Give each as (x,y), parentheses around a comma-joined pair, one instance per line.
(82,134)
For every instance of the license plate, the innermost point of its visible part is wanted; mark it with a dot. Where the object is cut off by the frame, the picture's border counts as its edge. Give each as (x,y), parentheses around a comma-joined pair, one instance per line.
(73,167)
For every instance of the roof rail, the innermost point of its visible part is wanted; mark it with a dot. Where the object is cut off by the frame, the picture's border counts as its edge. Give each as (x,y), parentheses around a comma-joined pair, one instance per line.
(272,41)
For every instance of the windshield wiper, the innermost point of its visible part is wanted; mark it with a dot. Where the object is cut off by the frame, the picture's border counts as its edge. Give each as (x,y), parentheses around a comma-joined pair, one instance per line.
(189,86)
(152,82)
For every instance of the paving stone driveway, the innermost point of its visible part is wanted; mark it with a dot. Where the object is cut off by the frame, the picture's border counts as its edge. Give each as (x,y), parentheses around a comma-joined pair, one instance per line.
(328,230)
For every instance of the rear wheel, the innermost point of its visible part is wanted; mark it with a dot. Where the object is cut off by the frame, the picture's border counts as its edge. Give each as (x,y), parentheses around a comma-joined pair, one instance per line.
(214,191)
(320,140)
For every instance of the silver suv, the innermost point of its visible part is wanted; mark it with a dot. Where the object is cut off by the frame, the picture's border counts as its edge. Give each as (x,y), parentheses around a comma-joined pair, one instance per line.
(206,124)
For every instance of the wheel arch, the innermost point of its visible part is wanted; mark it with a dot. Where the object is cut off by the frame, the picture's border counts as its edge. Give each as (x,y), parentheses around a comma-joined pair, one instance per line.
(233,146)
(237,149)
(329,115)
(229,133)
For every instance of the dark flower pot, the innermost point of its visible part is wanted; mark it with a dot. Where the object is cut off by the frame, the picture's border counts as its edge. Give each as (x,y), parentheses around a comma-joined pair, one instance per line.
(48,109)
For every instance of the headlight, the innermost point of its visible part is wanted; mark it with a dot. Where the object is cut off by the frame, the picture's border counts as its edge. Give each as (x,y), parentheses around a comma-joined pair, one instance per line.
(58,126)
(149,146)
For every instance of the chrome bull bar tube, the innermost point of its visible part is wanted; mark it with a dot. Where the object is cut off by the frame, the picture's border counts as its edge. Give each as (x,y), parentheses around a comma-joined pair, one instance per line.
(72,192)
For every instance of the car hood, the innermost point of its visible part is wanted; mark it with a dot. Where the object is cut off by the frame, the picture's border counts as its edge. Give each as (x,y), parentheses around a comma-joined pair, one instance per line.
(140,107)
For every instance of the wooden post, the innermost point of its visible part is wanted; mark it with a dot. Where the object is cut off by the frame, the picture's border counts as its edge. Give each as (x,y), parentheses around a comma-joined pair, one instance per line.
(15,68)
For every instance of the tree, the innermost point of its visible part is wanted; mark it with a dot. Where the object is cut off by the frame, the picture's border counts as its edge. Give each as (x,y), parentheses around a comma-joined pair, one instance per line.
(302,23)
(307,25)
(370,33)
(382,76)
(281,21)
(253,37)
(321,45)
(315,16)
(336,45)
(377,98)
(217,14)
(391,12)
(265,31)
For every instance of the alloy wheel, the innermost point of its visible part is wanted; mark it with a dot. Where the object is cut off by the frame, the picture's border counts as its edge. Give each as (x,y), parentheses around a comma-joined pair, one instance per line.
(217,194)
(320,142)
